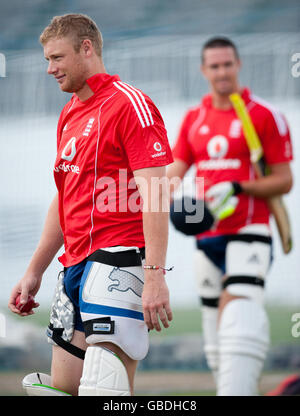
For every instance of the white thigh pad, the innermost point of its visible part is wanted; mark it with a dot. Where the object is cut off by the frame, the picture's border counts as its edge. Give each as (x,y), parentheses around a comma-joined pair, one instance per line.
(208,276)
(103,374)
(62,314)
(252,259)
(111,307)
(249,260)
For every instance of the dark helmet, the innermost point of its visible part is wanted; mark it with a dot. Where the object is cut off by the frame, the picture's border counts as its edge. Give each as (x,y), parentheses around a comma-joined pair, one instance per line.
(190,215)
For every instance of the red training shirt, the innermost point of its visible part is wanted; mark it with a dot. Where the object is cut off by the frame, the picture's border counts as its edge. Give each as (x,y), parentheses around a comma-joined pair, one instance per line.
(100,142)
(213,140)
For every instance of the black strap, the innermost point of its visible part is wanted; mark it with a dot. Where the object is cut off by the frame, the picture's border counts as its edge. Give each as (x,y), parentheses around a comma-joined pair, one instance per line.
(252,280)
(72,349)
(251,238)
(119,259)
(211,302)
(99,326)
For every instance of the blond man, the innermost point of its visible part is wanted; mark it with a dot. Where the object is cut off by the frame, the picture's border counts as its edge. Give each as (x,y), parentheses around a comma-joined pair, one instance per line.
(111,144)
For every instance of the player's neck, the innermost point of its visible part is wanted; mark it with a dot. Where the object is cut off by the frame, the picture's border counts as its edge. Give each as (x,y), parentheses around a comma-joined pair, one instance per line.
(85,92)
(222,102)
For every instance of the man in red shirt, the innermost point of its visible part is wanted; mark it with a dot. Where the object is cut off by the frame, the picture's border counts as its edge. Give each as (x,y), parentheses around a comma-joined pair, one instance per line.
(233,257)
(112,150)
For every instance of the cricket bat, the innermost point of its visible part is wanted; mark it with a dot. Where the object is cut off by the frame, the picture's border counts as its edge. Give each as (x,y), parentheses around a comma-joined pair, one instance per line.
(276,204)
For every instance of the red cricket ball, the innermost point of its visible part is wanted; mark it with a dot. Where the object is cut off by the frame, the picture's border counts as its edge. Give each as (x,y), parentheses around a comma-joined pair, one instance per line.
(27,306)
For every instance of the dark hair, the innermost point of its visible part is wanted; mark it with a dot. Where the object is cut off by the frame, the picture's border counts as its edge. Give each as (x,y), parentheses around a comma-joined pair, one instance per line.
(219,42)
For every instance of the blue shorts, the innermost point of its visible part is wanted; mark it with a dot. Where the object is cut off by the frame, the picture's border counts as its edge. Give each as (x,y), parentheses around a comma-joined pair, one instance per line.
(215,249)
(72,281)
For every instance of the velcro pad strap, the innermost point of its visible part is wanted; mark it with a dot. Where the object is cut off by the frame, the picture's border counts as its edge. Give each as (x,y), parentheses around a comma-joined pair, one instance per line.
(56,335)
(211,302)
(251,238)
(99,326)
(252,280)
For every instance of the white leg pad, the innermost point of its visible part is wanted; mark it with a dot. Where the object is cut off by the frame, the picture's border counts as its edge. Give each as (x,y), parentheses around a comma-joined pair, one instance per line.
(210,337)
(103,374)
(39,384)
(208,279)
(243,346)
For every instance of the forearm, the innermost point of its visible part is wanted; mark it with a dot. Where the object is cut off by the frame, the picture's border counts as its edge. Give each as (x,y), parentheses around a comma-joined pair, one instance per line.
(155,225)
(267,186)
(50,242)
(154,190)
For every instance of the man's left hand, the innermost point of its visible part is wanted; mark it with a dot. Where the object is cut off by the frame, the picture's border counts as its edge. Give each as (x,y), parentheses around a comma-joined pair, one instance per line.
(155,298)
(221,199)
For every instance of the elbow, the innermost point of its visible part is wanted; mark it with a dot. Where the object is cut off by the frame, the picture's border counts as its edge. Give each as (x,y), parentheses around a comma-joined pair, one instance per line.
(288,184)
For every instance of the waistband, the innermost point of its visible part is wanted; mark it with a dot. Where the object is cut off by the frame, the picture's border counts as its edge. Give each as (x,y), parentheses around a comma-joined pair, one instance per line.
(119,259)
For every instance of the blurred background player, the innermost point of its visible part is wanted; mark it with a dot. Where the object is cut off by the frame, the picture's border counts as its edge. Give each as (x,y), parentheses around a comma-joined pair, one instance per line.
(233,257)
(110,139)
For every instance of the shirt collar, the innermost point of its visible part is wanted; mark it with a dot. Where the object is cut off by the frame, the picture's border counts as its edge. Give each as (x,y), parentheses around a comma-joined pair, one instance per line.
(99,81)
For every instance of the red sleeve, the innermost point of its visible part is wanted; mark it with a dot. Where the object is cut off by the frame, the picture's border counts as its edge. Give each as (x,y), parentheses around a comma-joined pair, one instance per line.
(182,149)
(144,137)
(275,138)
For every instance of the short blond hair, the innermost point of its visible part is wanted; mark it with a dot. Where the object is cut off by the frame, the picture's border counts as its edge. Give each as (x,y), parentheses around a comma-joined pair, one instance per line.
(76,26)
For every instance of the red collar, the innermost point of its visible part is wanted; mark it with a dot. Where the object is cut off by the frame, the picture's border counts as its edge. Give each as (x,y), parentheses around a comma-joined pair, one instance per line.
(99,81)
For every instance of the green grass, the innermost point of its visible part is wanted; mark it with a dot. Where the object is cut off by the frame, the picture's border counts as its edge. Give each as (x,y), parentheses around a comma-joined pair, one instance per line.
(188,321)
(40,317)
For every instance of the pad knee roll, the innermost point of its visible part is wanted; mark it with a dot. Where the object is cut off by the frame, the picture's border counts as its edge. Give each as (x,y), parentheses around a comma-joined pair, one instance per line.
(39,384)
(103,374)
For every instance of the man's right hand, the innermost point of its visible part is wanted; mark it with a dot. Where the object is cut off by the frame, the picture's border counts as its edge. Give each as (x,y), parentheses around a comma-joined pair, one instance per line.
(50,242)
(28,285)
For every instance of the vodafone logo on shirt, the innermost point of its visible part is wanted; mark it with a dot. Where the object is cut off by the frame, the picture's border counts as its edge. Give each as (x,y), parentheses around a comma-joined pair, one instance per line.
(217,146)
(217,149)
(68,154)
(69,148)
(158,148)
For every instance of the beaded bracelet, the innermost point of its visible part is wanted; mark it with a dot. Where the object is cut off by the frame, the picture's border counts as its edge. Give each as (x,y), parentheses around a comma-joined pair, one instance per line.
(153,267)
